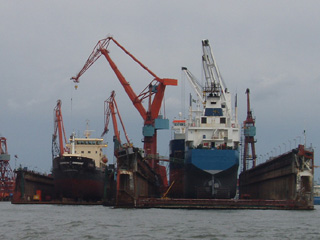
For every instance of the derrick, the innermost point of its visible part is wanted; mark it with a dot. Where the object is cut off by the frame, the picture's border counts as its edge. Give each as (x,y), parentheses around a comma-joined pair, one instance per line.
(58,149)
(154,92)
(111,109)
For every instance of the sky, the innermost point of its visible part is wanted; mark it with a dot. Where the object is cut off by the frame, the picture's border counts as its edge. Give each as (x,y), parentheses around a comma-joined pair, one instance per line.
(270,47)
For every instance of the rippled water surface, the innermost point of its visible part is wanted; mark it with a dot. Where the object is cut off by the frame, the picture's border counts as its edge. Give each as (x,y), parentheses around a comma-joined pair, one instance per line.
(98,222)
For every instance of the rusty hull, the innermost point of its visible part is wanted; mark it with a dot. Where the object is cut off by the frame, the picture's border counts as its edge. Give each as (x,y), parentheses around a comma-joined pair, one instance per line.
(135,178)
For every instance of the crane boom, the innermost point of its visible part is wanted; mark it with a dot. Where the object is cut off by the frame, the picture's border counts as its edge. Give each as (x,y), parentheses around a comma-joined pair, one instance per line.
(195,84)
(211,70)
(132,95)
(101,49)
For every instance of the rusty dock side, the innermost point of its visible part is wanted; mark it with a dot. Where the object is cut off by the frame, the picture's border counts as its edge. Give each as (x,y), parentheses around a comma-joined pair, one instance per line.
(37,188)
(288,177)
(221,204)
(32,187)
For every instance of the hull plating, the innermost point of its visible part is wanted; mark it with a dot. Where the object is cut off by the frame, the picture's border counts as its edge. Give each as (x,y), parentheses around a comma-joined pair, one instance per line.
(77,178)
(204,173)
(211,173)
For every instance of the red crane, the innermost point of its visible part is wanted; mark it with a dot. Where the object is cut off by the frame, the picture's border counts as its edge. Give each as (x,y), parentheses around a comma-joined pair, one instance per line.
(58,150)
(249,133)
(155,89)
(111,109)
(6,173)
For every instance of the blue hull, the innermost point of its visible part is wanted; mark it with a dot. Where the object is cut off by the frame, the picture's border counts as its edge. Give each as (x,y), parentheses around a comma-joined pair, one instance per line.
(203,173)
(212,159)
(211,173)
(316,200)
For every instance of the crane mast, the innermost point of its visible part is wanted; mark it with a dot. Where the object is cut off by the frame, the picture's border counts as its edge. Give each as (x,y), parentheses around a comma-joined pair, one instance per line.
(214,83)
(249,133)
(58,132)
(155,89)
(111,109)
(212,73)
(7,178)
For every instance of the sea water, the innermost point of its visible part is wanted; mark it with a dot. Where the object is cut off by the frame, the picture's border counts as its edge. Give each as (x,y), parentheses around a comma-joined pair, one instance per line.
(99,222)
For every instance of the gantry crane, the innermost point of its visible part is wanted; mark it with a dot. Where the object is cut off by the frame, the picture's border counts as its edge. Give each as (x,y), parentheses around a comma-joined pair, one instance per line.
(111,109)
(155,89)
(249,133)
(58,150)
(6,173)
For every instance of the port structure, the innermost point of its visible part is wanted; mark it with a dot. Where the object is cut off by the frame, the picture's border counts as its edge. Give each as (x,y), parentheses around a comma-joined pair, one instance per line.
(6,173)
(111,109)
(58,149)
(154,92)
(249,134)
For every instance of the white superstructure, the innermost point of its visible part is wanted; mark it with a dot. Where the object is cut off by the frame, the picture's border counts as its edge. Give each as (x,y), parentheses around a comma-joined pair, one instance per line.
(88,147)
(212,124)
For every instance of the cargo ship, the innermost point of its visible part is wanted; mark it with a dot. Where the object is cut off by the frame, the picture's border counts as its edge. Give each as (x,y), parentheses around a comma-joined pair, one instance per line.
(80,173)
(204,151)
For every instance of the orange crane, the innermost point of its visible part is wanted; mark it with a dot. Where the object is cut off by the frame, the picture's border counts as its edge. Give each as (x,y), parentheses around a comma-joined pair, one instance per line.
(249,133)
(6,173)
(58,150)
(155,89)
(111,108)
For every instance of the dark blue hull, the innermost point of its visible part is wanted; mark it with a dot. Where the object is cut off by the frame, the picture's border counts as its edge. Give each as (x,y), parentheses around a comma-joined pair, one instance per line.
(206,173)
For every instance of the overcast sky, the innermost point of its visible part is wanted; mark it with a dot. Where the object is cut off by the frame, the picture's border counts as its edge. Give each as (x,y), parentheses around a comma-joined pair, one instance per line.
(271,47)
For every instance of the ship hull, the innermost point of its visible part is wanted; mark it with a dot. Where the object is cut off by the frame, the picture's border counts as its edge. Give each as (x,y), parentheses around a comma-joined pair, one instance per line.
(77,178)
(207,173)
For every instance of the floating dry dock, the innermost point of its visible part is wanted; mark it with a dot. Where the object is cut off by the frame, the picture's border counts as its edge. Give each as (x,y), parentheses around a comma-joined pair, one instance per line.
(287,177)
(283,183)
(31,186)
